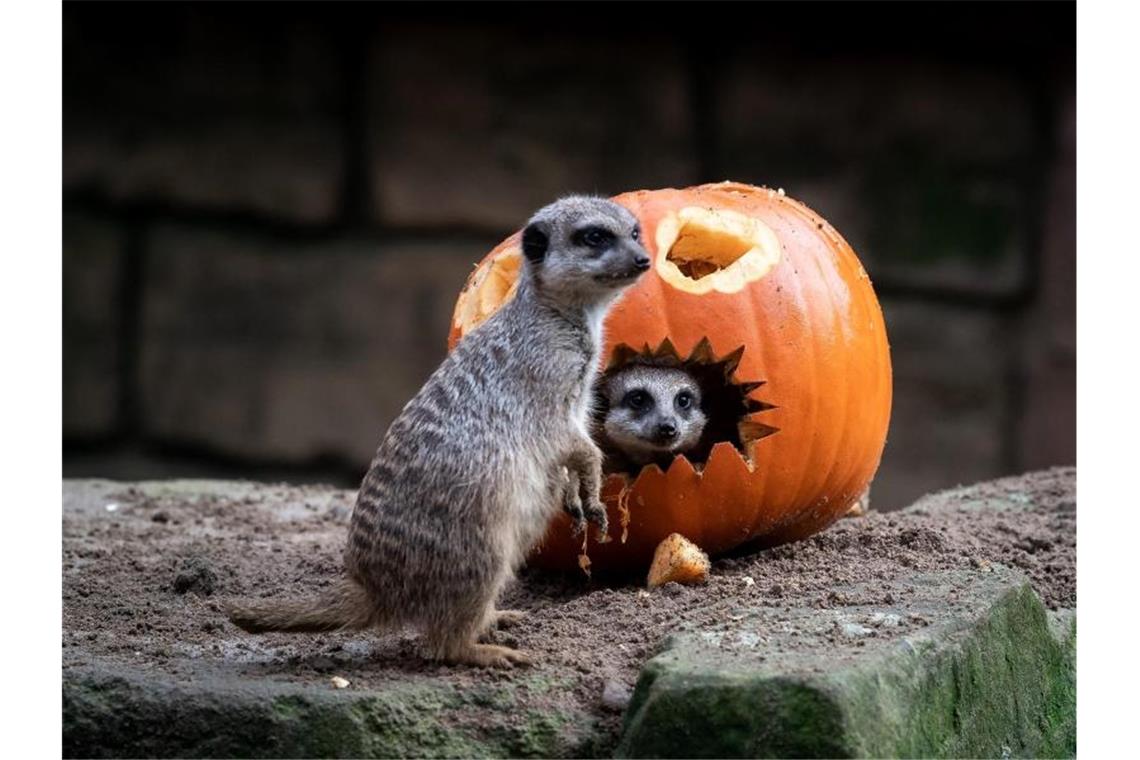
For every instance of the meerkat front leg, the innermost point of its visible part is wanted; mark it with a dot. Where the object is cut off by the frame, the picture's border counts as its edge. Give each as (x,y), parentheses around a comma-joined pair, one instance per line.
(571,497)
(585,462)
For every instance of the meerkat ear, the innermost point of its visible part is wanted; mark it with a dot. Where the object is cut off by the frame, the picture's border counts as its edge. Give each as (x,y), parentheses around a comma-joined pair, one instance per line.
(534,244)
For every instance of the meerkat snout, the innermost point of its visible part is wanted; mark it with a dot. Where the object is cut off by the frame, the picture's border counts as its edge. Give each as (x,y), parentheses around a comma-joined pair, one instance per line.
(653,413)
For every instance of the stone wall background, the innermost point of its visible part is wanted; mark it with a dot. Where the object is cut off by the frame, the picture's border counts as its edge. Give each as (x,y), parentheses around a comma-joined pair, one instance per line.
(269,209)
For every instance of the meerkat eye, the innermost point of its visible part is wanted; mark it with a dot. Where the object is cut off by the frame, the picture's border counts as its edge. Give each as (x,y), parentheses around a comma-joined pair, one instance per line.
(637,400)
(593,237)
(684,400)
(636,234)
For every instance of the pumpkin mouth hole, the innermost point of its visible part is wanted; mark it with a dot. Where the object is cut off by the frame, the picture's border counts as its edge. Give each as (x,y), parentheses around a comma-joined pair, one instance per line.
(701,250)
(726,403)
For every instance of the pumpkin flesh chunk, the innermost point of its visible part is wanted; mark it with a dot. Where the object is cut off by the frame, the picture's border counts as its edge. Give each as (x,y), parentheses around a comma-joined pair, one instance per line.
(678,560)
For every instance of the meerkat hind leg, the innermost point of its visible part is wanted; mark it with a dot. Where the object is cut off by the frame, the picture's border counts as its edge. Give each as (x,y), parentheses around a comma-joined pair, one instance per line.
(468,651)
(456,639)
(499,620)
(506,618)
(492,656)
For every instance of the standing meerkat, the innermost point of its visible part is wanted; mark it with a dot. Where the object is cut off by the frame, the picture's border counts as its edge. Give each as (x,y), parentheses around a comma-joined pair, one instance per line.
(474,467)
(651,414)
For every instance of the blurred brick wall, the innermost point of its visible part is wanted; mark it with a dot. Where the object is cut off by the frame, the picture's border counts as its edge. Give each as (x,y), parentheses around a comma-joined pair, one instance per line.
(268,213)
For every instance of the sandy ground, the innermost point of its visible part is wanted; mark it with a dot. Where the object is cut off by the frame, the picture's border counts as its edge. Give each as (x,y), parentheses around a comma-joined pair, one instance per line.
(145,573)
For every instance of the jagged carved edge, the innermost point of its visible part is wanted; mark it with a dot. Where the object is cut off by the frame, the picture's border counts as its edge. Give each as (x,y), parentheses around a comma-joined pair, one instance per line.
(666,354)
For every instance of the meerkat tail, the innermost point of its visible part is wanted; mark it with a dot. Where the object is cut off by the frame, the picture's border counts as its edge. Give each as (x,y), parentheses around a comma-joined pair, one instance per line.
(344,607)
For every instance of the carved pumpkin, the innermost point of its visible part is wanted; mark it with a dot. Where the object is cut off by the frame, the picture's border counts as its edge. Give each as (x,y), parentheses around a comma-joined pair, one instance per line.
(759,291)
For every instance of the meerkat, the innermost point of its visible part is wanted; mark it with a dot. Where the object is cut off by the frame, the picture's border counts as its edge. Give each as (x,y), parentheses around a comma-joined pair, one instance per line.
(652,414)
(470,473)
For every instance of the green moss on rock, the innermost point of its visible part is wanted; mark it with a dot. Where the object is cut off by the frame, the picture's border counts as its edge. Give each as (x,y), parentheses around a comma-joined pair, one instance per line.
(108,715)
(1001,683)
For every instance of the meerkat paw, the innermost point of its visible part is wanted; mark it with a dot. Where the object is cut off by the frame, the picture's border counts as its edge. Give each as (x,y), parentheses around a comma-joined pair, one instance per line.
(595,512)
(507,618)
(491,656)
(579,519)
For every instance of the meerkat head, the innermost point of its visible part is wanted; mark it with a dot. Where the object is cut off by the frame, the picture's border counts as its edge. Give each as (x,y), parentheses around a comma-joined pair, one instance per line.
(584,249)
(652,411)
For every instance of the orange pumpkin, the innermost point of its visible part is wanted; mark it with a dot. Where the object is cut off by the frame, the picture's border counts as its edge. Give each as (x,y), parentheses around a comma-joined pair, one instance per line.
(756,281)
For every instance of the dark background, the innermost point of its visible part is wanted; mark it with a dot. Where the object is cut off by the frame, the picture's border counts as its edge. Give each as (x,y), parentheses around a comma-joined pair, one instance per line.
(270,208)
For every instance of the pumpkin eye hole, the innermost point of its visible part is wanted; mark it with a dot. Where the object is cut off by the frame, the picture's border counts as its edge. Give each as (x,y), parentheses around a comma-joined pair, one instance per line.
(699,253)
(702,250)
